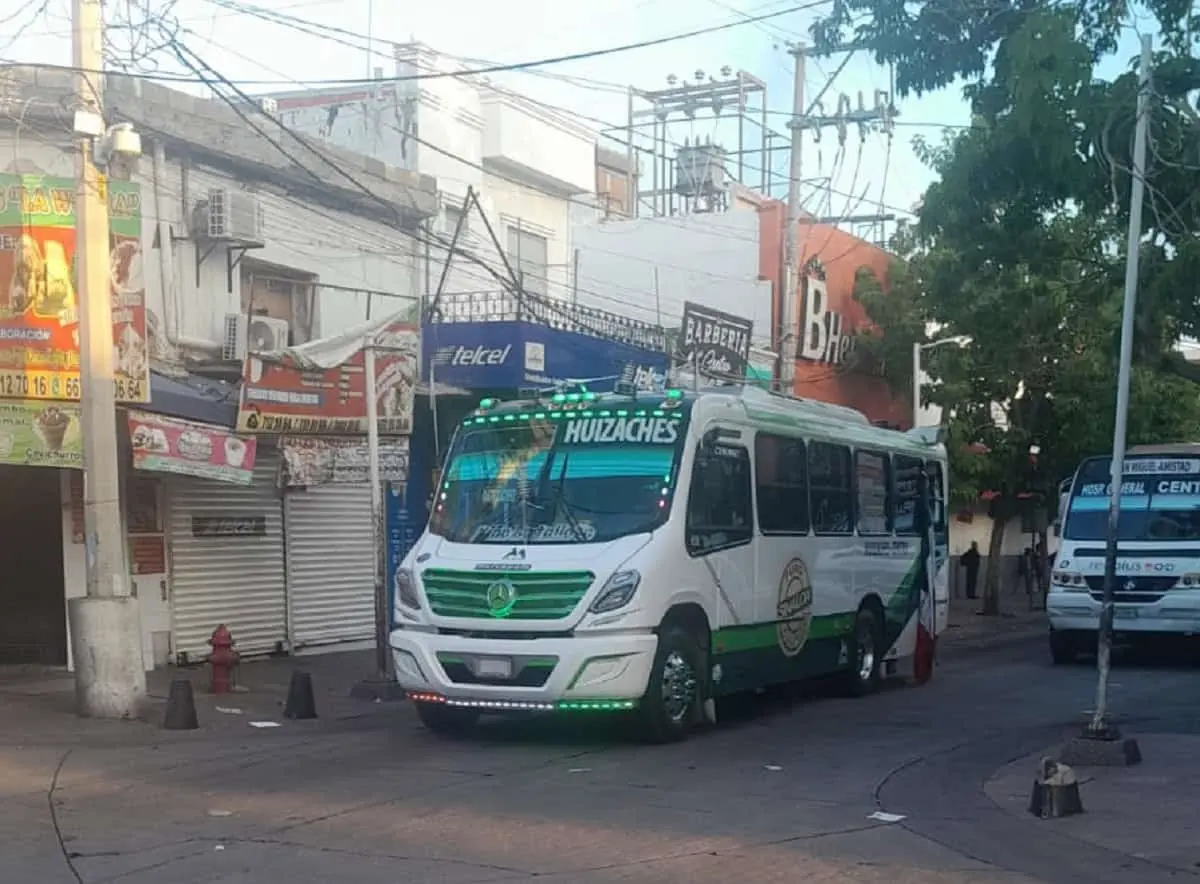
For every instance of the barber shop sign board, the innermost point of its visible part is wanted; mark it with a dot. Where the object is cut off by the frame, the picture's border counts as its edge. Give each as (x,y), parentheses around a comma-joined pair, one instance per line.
(713,343)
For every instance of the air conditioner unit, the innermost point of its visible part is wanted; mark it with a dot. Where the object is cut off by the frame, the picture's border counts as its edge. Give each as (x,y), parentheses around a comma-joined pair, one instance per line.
(235,217)
(252,334)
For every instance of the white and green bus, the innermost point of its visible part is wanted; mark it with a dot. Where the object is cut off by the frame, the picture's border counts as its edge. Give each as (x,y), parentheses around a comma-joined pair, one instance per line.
(651,553)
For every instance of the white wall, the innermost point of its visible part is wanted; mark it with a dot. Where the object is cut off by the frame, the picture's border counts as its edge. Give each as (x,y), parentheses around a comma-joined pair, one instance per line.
(711,259)
(339,248)
(526,164)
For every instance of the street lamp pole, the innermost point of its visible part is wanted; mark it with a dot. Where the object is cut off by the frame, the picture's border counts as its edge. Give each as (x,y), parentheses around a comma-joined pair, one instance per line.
(1099,725)
(917,348)
(916,384)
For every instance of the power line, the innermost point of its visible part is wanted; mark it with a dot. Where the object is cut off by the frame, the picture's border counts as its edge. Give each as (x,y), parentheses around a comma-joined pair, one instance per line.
(497,68)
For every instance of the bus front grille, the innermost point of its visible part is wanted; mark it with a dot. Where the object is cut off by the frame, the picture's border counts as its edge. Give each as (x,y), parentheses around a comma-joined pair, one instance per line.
(517,595)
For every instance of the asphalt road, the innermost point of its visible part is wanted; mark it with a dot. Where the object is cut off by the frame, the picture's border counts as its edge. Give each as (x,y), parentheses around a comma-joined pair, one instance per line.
(783,790)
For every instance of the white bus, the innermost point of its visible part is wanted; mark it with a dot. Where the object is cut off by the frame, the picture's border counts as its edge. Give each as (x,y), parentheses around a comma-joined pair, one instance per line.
(1157,592)
(652,553)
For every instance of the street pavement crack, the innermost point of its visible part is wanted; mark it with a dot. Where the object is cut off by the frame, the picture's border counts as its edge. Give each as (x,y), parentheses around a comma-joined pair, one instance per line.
(62,845)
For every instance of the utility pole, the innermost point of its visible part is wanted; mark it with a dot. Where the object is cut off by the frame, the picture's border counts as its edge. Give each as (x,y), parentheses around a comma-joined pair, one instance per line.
(1099,728)
(788,319)
(802,121)
(106,631)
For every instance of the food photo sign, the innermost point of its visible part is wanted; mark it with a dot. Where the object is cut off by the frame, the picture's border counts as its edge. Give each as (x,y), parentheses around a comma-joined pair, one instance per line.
(164,445)
(40,290)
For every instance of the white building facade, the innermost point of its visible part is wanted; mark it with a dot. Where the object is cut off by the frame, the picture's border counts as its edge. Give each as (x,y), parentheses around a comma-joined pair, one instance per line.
(239,250)
(529,165)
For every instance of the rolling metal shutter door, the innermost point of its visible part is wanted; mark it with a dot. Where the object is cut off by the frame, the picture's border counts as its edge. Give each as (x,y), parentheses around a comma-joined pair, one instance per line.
(329,549)
(238,581)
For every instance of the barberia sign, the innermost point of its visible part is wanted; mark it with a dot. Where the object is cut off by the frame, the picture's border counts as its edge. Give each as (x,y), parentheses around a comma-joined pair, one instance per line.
(826,336)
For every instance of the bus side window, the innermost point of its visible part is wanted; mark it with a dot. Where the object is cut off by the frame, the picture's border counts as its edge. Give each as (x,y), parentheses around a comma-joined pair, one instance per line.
(872,483)
(781,480)
(719,509)
(937,493)
(831,488)
(906,472)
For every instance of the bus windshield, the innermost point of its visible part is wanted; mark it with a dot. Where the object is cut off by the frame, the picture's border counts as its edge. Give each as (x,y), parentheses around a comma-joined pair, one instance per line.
(579,478)
(1160,500)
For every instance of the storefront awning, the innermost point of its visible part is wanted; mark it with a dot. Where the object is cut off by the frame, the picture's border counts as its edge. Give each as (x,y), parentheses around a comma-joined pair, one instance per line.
(194,398)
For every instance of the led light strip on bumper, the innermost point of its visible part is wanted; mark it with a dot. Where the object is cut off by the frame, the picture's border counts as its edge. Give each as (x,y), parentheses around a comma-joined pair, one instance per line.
(526,705)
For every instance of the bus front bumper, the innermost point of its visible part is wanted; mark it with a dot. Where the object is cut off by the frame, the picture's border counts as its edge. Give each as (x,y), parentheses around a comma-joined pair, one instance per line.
(1177,613)
(603,672)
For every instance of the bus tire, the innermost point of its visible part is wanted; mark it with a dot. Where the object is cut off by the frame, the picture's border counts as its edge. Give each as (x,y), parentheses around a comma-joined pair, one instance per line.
(672,703)
(1064,648)
(450,722)
(865,655)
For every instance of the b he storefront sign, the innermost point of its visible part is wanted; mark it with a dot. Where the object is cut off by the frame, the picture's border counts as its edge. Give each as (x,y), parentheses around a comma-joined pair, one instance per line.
(510,355)
(825,335)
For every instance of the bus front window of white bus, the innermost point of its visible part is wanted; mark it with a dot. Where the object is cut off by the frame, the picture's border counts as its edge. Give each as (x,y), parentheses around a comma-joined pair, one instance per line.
(577,479)
(1160,500)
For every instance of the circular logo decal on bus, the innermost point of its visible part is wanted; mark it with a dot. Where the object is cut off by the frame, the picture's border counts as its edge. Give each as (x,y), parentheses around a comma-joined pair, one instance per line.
(794,608)
(501,596)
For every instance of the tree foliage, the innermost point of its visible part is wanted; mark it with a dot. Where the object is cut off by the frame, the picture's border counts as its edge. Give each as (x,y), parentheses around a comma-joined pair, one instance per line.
(1020,241)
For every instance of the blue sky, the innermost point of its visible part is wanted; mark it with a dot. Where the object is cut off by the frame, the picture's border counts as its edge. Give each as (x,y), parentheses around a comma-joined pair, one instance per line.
(245,48)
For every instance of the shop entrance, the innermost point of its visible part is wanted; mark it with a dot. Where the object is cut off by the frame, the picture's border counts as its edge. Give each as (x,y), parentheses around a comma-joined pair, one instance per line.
(33,616)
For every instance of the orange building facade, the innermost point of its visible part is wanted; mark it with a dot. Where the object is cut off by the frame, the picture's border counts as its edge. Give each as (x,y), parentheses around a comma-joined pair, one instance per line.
(829,316)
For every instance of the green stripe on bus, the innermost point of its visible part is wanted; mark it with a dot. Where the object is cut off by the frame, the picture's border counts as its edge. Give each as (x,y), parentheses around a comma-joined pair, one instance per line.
(732,639)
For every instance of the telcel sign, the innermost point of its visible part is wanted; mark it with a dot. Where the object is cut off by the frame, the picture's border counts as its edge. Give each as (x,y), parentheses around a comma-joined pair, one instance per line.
(509,355)
(470,356)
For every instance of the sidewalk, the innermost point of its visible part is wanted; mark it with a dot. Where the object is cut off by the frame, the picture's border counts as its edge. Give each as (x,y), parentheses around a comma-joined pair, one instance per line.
(1147,811)
(40,707)
(968,629)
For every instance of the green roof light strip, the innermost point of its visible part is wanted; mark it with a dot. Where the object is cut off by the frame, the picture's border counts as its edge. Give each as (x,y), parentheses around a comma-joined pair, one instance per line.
(577,413)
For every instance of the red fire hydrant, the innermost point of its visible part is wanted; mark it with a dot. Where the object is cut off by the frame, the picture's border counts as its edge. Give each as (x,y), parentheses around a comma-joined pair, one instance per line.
(222,660)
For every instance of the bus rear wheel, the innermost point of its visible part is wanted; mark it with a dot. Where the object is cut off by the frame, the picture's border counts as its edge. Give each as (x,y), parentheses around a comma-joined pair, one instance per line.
(451,722)
(862,678)
(671,705)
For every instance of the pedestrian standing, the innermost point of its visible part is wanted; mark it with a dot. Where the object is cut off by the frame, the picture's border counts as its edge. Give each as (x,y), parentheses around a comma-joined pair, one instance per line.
(1027,570)
(970,560)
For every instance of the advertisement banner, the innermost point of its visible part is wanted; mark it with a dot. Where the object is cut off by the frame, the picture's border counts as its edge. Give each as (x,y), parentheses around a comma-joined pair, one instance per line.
(509,355)
(713,343)
(308,462)
(40,434)
(291,397)
(39,298)
(166,445)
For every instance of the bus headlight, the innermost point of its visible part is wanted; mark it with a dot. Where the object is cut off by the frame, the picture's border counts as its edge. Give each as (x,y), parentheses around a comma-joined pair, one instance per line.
(406,589)
(617,592)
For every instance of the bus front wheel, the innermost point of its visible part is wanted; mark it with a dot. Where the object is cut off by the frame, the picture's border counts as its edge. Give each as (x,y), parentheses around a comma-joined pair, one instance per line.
(1064,647)
(671,704)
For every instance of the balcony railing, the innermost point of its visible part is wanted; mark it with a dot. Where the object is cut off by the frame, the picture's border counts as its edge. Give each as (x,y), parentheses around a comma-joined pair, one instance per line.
(498,306)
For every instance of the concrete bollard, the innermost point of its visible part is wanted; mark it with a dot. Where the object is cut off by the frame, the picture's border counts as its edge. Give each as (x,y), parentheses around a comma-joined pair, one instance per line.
(1055,791)
(300,701)
(181,707)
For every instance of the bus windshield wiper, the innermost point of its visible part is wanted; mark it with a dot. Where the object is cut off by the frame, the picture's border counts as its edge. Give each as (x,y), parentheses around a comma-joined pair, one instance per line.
(560,500)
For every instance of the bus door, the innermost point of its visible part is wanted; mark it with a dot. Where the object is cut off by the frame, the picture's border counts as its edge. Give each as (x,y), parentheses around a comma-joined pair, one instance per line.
(719,531)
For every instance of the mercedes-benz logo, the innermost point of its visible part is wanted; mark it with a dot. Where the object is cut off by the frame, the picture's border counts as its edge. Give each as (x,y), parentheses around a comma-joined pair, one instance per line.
(501,596)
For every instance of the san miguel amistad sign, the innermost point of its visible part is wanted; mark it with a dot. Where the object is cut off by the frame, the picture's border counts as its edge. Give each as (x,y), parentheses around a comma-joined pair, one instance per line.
(714,344)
